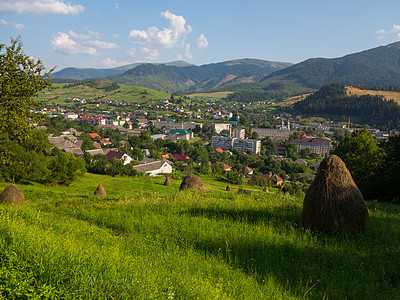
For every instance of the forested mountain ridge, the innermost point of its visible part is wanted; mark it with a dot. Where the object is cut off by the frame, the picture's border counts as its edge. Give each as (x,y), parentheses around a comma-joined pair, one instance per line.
(377,66)
(182,76)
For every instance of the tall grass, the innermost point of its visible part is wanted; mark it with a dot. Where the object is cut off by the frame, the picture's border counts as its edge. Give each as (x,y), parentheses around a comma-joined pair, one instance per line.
(147,241)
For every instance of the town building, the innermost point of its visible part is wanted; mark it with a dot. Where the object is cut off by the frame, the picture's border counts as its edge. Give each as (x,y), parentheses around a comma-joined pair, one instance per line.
(239,133)
(317,145)
(218,127)
(153,167)
(281,134)
(242,145)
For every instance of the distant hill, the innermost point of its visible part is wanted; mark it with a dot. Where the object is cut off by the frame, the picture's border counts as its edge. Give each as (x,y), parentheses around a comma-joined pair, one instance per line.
(88,73)
(376,66)
(196,78)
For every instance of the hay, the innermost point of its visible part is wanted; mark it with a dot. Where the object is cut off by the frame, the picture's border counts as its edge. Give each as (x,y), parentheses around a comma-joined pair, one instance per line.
(12,195)
(228,188)
(192,182)
(167,182)
(265,189)
(333,203)
(100,191)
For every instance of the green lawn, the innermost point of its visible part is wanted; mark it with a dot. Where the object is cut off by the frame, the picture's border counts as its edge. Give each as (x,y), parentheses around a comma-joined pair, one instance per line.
(148,241)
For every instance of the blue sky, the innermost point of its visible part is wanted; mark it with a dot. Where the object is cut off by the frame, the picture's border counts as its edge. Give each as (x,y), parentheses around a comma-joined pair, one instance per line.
(105,34)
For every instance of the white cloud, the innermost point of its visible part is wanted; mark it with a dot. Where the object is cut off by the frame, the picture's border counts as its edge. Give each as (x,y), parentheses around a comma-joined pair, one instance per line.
(64,44)
(111,63)
(40,7)
(187,51)
(78,36)
(101,44)
(12,23)
(116,6)
(149,54)
(167,37)
(95,34)
(202,42)
(131,52)
(382,32)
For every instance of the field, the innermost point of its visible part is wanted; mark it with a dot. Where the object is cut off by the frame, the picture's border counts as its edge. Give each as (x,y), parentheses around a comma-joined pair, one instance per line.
(209,96)
(148,241)
(125,93)
(386,94)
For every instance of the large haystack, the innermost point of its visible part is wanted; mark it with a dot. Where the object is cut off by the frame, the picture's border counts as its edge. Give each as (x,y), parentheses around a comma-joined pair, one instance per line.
(100,191)
(167,182)
(12,195)
(192,182)
(333,203)
(228,188)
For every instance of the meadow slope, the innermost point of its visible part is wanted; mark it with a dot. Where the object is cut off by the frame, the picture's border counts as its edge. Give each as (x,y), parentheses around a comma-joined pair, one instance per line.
(147,241)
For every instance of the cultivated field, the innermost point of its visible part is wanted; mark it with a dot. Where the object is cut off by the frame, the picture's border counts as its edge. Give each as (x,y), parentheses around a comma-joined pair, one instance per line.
(148,241)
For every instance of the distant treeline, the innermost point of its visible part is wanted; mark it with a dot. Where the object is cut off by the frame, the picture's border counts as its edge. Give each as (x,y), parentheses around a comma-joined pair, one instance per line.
(331,99)
(388,88)
(263,91)
(97,84)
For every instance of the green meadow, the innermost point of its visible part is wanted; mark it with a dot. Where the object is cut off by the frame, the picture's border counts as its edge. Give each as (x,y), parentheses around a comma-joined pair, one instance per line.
(147,241)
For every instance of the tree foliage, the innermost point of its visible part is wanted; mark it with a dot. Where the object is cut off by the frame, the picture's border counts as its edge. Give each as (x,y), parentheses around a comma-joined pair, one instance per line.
(21,79)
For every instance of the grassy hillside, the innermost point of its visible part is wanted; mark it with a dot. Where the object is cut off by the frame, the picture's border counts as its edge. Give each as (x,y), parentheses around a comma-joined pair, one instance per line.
(124,93)
(148,241)
(386,94)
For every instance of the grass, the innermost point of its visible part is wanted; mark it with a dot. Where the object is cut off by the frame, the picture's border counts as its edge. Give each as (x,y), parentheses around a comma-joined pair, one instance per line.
(148,241)
(209,96)
(387,95)
(128,93)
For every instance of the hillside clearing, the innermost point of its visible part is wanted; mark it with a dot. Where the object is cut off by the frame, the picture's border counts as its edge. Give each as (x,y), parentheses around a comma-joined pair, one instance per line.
(386,94)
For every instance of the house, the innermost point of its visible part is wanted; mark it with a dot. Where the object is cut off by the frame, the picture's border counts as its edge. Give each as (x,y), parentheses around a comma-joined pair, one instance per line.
(219,150)
(180,157)
(224,165)
(118,155)
(105,141)
(301,162)
(154,167)
(94,135)
(273,178)
(66,145)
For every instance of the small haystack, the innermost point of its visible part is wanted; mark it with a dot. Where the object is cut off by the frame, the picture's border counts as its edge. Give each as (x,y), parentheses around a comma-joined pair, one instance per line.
(228,188)
(192,182)
(12,195)
(333,203)
(100,191)
(265,190)
(167,182)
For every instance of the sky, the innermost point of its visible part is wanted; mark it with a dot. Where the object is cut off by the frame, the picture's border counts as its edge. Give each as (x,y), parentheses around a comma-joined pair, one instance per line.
(108,33)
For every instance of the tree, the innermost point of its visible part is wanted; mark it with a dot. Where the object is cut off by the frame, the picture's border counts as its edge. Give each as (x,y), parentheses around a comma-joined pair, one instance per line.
(363,158)
(21,79)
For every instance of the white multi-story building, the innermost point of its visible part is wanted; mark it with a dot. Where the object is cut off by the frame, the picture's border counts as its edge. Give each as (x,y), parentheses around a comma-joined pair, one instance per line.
(218,127)
(239,133)
(242,145)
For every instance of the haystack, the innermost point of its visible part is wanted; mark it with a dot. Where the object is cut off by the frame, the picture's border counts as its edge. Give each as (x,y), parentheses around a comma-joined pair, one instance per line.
(12,195)
(100,191)
(265,189)
(228,188)
(167,182)
(333,203)
(192,182)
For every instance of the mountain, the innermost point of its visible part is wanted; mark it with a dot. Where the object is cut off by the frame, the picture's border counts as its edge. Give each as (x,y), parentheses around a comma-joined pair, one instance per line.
(377,66)
(194,78)
(87,73)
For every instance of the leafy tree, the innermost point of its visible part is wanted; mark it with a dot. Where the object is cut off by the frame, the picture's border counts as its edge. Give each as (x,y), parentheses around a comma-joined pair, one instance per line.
(21,79)
(65,168)
(363,158)
(234,177)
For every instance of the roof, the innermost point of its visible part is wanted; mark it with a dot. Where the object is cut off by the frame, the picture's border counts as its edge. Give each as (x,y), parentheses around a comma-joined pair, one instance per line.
(224,165)
(148,164)
(219,150)
(114,154)
(95,152)
(76,151)
(180,157)
(94,135)
(316,140)
(62,143)
(180,131)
